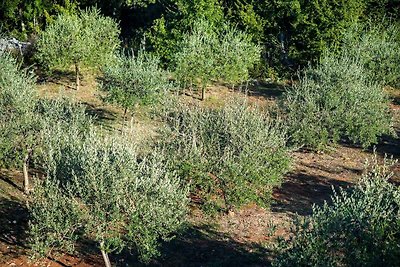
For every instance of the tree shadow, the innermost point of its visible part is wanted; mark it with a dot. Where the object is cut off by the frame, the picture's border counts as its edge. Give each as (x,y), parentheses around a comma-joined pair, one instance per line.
(389,145)
(396,101)
(65,78)
(203,246)
(301,191)
(102,116)
(9,181)
(14,218)
(269,91)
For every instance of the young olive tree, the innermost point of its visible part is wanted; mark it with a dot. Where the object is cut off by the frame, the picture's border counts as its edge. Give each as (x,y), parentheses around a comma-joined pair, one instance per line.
(18,121)
(59,113)
(231,156)
(134,80)
(377,47)
(359,228)
(97,188)
(84,40)
(336,100)
(207,55)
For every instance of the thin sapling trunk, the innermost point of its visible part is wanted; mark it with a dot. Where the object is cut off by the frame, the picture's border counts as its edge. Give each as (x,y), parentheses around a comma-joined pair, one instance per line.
(77,82)
(106,259)
(124,119)
(25,171)
(203,92)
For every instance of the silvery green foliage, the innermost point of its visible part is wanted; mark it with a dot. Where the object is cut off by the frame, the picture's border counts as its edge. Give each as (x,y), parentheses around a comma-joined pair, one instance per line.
(62,116)
(135,80)
(336,100)
(62,110)
(207,54)
(378,48)
(237,55)
(87,39)
(54,219)
(17,118)
(360,228)
(231,156)
(116,199)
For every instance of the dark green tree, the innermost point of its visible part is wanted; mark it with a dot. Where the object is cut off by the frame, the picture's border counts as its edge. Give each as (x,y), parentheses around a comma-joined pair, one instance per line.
(22,18)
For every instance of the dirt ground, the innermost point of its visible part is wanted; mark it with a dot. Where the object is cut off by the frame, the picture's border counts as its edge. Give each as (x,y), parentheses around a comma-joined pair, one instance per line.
(240,238)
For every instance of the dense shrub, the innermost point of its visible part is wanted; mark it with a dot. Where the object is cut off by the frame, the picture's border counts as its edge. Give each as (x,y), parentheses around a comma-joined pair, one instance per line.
(135,80)
(84,40)
(206,54)
(231,156)
(377,47)
(336,100)
(18,121)
(106,195)
(359,228)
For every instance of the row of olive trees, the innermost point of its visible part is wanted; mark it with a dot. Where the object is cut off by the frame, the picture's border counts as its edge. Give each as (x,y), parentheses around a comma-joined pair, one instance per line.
(89,40)
(343,99)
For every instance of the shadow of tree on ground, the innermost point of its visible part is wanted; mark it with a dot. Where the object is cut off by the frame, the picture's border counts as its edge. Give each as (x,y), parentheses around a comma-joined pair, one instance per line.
(13,227)
(268,91)
(102,116)
(300,191)
(203,246)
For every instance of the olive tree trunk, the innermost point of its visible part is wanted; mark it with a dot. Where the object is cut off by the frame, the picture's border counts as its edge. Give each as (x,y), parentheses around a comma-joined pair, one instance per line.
(77,82)
(124,119)
(26,174)
(203,93)
(106,259)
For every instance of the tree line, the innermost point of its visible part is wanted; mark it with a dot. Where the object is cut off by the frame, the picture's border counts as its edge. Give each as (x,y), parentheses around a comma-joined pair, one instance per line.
(292,33)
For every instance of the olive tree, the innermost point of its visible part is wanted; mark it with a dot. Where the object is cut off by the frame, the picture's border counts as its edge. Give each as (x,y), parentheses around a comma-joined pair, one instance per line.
(334,101)
(84,40)
(230,156)
(18,122)
(134,80)
(378,48)
(207,55)
(97,188)
(359,227)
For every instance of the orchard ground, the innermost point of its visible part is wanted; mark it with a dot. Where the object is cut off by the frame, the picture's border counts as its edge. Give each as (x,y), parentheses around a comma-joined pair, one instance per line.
(241,238)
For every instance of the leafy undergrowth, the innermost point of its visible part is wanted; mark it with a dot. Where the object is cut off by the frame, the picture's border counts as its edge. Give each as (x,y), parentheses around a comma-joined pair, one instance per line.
(243,237)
